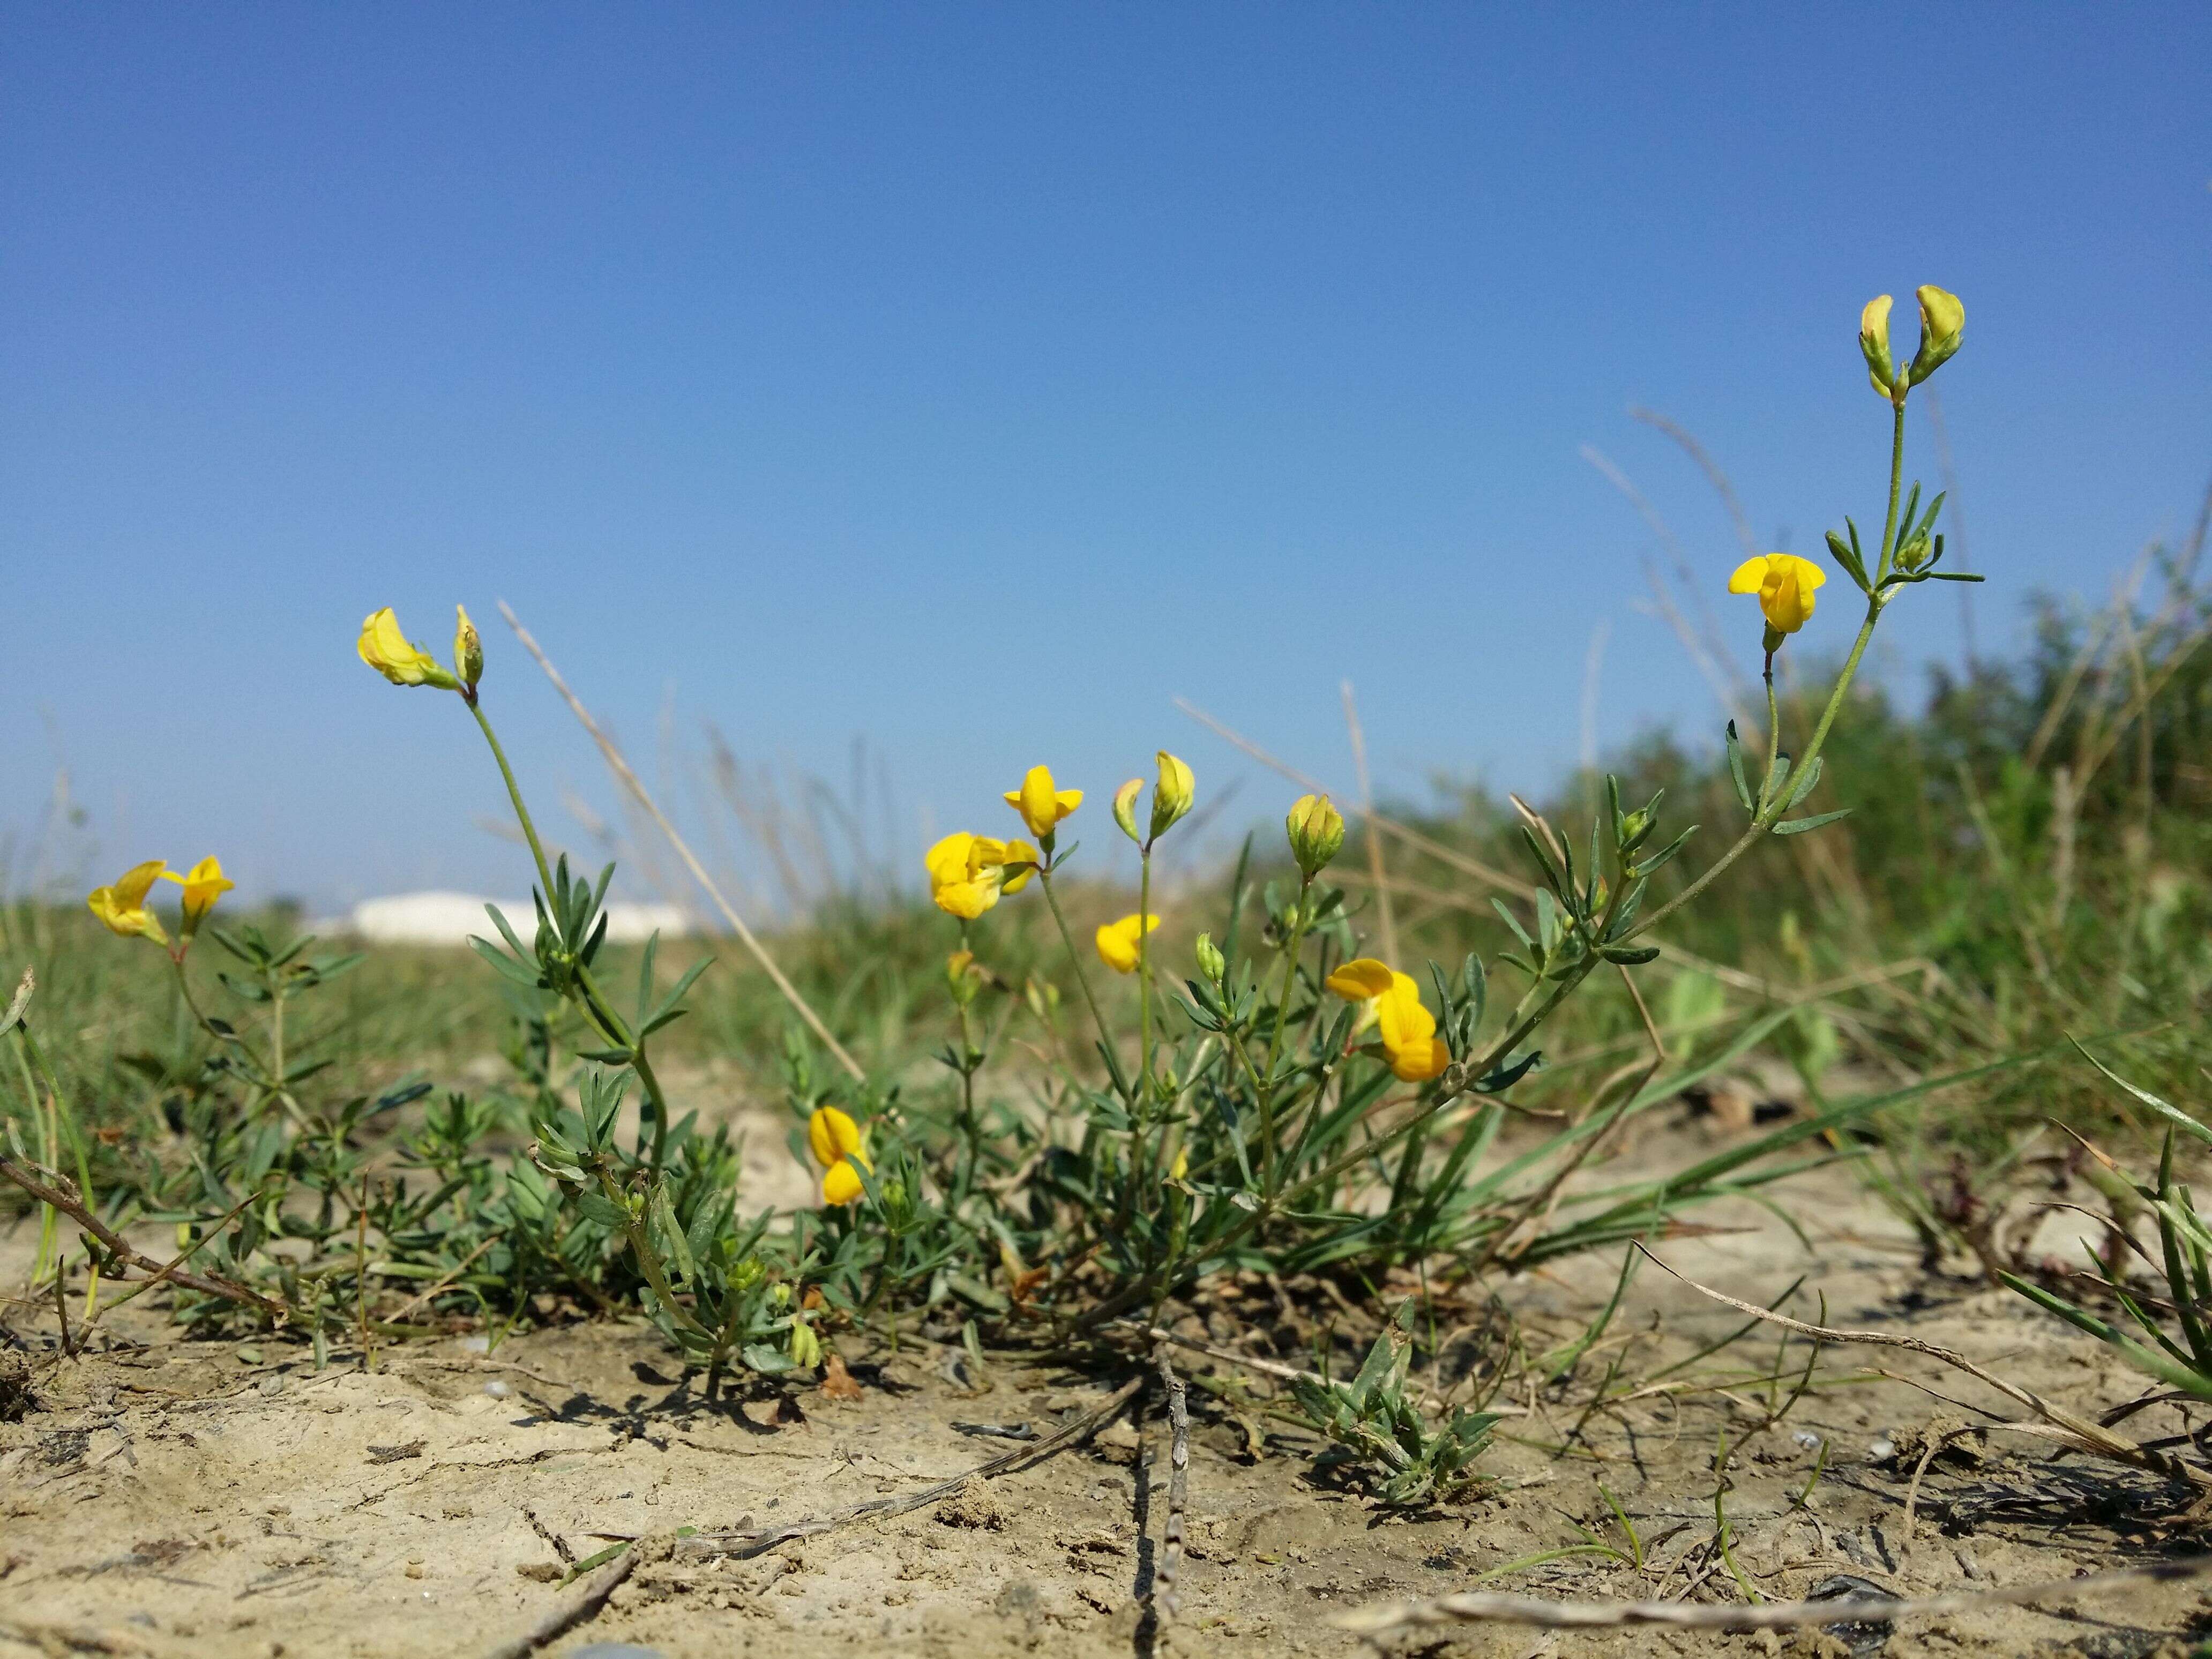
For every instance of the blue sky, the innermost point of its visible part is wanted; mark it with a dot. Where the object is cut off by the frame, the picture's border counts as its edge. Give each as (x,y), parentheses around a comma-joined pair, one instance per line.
(977,379)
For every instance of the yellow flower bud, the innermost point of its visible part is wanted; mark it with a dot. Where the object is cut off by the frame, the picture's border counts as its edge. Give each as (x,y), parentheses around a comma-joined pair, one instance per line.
(1172,795)
(1942,319)
(468,649)
(1211,962)
(394,655)
(1874,342)
(804,1347)
(1316,830)
(1125,808)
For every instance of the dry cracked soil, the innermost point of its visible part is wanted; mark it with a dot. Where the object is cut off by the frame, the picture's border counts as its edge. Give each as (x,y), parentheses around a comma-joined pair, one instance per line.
(171,1497)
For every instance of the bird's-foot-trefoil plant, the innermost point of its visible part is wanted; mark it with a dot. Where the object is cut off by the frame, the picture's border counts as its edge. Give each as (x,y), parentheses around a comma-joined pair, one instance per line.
(1269,1095)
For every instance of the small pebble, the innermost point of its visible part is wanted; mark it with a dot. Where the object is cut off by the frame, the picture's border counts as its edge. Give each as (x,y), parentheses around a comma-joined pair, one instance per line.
(1807,1439)
(1882,1450)
(271,1386)
(497,1390)
(476,1345)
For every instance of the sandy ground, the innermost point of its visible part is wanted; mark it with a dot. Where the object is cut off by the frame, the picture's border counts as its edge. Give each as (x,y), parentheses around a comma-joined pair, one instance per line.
(224,1499)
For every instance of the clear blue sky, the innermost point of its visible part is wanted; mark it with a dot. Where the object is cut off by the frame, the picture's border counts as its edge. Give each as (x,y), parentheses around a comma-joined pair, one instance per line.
(978,379)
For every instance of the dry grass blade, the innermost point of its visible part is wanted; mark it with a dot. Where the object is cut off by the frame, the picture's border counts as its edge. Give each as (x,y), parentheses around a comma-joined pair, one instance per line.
(630,780)
(1436,849)
(2073,1430)
(1374,841)
(590,1596)
(1483,1608)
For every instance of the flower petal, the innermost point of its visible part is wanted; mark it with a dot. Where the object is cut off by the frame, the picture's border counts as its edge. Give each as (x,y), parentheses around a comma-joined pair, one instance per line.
(1749,576)
(1360,979)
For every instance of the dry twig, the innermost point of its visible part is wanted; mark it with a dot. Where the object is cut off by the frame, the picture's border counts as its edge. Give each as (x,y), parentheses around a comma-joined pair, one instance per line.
(61,1193)
(1474,1607)
(2058,1422)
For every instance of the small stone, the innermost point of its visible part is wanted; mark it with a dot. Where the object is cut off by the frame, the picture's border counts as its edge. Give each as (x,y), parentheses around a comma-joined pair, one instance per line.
(271,1386)
(497,1390)
(476,1345)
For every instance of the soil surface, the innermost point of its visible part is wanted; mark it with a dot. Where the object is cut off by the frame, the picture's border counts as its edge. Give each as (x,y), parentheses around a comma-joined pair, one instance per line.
(163,1497)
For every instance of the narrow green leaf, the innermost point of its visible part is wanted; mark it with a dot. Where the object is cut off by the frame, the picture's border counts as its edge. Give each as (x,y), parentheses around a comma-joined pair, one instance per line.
(1799,826)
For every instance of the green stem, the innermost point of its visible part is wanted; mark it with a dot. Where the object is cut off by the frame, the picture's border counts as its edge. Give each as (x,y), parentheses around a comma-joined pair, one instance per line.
(1267,1088)
(1144,977)
(1075,959)
(612,1026)
(1896,479)
(514,794)
(1773,733)
(648,1260)
(1770,811)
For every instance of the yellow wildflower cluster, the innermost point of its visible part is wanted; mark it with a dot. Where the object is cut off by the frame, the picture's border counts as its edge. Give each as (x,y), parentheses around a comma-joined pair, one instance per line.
(1390,1002)
(122,904)
(385,648)
(841,1151)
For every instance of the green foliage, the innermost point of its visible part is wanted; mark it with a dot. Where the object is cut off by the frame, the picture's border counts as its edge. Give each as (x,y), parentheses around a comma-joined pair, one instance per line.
(1374,1419)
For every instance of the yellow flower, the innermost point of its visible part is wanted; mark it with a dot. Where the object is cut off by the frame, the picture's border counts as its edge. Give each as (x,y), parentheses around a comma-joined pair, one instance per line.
(1874,342)
(203,883)
(837,1146)
(1018,865)
(123,905)
(1361,980)
(1942,319)
(391,653)
(1784,584)
(1391,1002)
(842,1184)
(968,872)
(1118,941)
(832,1134)
(1042,806)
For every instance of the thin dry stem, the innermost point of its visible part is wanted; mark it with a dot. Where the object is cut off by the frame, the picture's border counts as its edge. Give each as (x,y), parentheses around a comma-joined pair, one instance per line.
(1479,1609)
(2075,1430)
(1368,827)
(630,780)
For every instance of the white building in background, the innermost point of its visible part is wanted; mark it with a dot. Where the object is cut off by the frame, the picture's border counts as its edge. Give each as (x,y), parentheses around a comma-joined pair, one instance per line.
(441,918)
